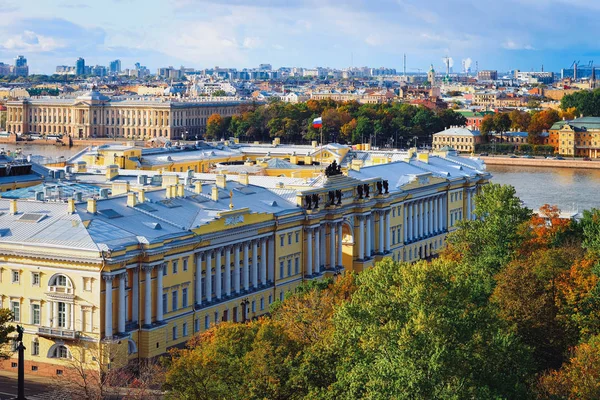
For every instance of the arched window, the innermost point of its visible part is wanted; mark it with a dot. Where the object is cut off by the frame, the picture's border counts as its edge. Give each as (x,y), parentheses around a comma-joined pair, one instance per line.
(60,283)
(59,351)
(131,347)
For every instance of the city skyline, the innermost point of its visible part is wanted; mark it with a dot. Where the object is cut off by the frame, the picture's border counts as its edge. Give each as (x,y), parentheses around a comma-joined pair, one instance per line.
(338,34)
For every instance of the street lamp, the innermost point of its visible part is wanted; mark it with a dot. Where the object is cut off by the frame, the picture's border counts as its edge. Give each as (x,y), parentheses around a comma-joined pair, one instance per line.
(415,138)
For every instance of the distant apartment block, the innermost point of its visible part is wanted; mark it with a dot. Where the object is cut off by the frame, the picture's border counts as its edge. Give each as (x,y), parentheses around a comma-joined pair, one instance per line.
(487,75)
(20,68)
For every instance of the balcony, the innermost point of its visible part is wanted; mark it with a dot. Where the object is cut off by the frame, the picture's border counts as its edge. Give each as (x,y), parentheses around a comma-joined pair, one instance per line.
(60,289)
(57,333)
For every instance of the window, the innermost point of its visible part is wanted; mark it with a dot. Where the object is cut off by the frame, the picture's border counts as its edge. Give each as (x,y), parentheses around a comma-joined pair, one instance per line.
(216,317)
(35,314)
(15,276)
(289,267)
(174,267)
(35,278)
(185,264)
(174,299)
(164,271)
(206,322)
(35,348)
(15,307)
(197,325)
(281,240)
(253,306)
(165,306)
(297,265)
(270,298)
(184,297)
(289,238)
(175,333)
(281,295)
(281,269)
(60,280)
(62,315)
(184,329)
(297,237)
(262,303)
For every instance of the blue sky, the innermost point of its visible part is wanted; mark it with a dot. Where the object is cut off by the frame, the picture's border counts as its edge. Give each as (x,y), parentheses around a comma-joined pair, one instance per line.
(501,35)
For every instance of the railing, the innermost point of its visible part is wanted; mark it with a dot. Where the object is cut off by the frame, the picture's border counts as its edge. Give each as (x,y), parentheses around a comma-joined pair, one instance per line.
(57,332)
(60,289)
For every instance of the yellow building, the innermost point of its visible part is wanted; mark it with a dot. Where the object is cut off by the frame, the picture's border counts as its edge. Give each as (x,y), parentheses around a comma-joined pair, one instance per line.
(168,254)
(578,137)
(94,115)
(458,138)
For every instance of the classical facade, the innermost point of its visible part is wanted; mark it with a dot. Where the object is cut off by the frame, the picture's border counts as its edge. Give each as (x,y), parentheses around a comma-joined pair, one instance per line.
(458,138)
(94,115)
(577,137)
(168,255)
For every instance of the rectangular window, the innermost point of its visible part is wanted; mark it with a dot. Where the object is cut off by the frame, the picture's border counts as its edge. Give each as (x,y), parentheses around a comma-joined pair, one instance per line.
(281,240)
(253,306)
(185,264)
(206,322)
(184,297)
(289,269)
(297,265)
(280,269)
(35,348)
(35,278)
(270,298)
(289,238)
(164,270)
(15,307)
(297,237)
(281,295)
(35,314)
(175,333)
(62,315)
(174,267)
(174,300)
(216,317)
(184,329)
(15,276)
(165,306)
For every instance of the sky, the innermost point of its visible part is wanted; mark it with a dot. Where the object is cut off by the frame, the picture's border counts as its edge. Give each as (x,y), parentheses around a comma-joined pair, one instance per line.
(502,34)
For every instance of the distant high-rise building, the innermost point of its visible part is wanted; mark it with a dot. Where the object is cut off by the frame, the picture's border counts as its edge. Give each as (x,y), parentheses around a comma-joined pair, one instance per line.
(80,66)
(487,75)
(115,67)
(21,68)
(265,67)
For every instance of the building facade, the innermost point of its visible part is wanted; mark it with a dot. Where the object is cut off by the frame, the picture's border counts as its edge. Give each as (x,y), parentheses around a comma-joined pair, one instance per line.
(579,137)
(458,138)
(94,115)
(131,275)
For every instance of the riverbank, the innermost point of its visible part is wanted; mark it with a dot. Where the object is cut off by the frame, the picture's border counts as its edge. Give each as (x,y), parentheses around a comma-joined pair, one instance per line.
(541,162)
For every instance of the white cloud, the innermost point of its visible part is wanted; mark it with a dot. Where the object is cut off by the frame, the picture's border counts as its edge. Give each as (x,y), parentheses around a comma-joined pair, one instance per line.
(251,42)
(510,44)
(29,41)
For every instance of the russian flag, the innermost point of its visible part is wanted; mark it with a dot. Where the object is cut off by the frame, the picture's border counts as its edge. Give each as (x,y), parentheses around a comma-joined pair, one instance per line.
(317,122)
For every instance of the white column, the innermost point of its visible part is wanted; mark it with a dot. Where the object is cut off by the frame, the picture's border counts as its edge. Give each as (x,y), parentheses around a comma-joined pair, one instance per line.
(135,293)
(122,306)
(317,250)
(339,249)
(55,311)
(271,251)
(236,268)
(372,219)
(428,217)
(332,245)
(255,264)
(218,275)
(420,219)
(263,261)
(72,316)
(49,314)
(368,246)
(148,296)
(198,288)
(415,223)
(445,212)
(309,252)
(207,281)
(245,270)
(108,306)
(228,271)
(381,233)
(208,267)
(440,214)
(468,204)
(323,246)
(388,224)
(361,237)
(159,293)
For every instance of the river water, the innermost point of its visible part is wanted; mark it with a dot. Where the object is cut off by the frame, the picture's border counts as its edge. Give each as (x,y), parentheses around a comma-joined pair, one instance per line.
(570,189)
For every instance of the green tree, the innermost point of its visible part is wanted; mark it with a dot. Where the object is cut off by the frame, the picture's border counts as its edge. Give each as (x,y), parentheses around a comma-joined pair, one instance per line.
(214,126)
(6,329)
(502,124)
(219,93)
(519,120)
(425,331)
(363,130)
(487,125)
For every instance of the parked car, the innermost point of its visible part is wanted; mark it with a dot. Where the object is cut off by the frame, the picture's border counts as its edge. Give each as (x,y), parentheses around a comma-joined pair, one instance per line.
(527,156)
(560,158)
(483,154)
(587,159)
(512,156)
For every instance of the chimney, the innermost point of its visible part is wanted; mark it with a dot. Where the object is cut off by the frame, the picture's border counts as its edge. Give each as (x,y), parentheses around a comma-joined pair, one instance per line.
(221,181)
(112,171)
(131,199)
(168,192)
(71,206)
(244,179)
(181,190)
(91,206)
(13,206)
(120,187)
(198,187)
(142,196)
(215,194)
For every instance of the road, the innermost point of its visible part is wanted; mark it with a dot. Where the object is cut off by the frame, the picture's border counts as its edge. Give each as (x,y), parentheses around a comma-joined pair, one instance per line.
(36,388)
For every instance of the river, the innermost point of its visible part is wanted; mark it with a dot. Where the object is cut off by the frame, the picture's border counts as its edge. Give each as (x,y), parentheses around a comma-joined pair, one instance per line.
(569,188)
